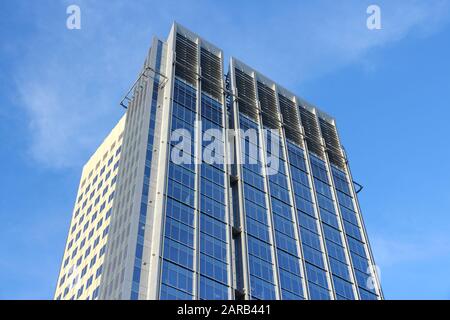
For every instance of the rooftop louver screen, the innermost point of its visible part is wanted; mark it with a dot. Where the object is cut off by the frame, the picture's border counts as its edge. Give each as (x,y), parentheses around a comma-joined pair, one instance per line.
(246,94)
(186,59)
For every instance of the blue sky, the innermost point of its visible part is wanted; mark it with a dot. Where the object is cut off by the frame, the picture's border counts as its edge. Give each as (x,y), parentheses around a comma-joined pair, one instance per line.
(388,89)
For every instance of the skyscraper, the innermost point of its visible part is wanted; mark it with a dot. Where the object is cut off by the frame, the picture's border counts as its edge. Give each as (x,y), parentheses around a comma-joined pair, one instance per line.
(229,187)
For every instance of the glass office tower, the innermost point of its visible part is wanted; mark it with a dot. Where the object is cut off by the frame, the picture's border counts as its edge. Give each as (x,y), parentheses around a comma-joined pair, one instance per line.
(229,187)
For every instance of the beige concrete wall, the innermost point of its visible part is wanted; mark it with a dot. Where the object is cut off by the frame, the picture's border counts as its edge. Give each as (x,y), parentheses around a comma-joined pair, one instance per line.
(83,258)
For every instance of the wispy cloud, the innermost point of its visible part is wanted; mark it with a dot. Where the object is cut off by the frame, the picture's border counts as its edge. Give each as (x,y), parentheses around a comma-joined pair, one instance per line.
(305,40)
(69,82)
(413,265)
(392,251)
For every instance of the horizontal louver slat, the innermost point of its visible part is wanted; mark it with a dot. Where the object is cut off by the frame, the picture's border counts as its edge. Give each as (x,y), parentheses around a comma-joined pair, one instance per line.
(312,132)
(211,73)
(290,119)
(246,94)
(186,59)
(268,105)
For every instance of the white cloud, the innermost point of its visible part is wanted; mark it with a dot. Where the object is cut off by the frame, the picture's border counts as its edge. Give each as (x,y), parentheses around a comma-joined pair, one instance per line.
(70,82)
(302,42)
(413,248)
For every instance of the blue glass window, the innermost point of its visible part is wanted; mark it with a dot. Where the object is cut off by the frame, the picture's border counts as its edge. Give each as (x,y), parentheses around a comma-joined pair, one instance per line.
(177,277)
(178,253)
(332,234)
(180,212)
(213,247)
(352,230)
(310,238)
(288,262)
(283,225)
(255,211)
(286,243)
(318,293)
(213,227)
(179,232)
(291,282)
(212,190)
(213,268)
(213,208)
(254,195)
(260,268)
(212,290)
(335,251)
(340,269)
(313,256)
(261,289)
(169,293)
(316,275)
(343,288)
(356,247)
(282,209)
(259,249)
(180,193)
(257,229)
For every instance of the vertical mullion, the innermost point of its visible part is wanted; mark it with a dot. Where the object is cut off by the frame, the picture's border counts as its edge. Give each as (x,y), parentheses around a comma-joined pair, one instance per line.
(241,196)
(293,203)
(319,219)
(198,162)
(269,214)
(227,174)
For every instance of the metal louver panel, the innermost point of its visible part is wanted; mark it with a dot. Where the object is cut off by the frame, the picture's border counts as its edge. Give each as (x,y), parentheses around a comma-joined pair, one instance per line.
(332,143)
(186,59)
(312,133)
(246,94)
(211,73)
(268,104)
(291,120)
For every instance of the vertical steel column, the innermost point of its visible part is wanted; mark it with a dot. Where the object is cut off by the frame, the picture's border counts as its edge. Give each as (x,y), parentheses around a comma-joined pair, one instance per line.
(198,162)
(227,186)
(238,154)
